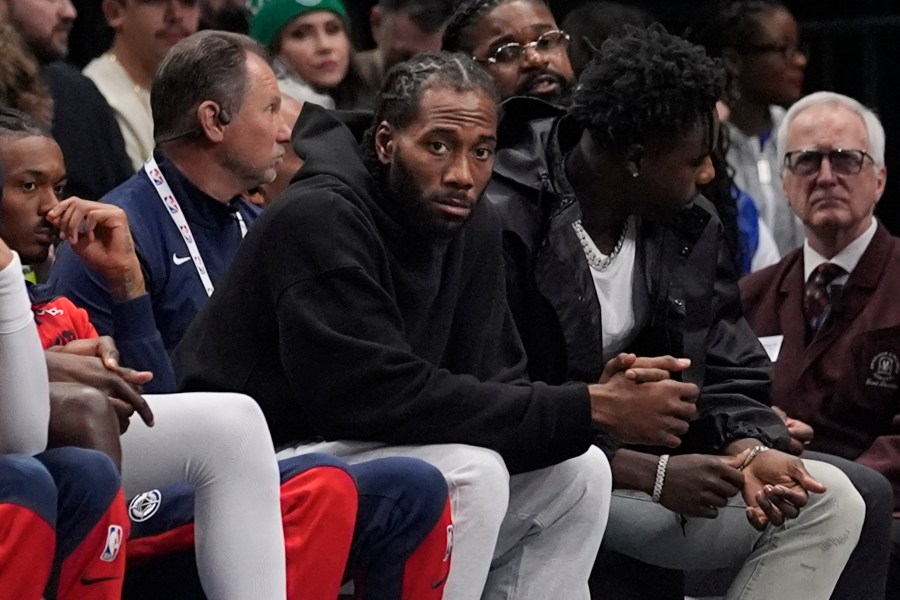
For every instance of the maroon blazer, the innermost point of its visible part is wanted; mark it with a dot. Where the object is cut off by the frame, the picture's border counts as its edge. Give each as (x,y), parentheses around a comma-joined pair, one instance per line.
(844,382)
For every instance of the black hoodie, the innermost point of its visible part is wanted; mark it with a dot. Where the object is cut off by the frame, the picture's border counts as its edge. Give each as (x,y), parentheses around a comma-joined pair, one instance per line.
(342,325)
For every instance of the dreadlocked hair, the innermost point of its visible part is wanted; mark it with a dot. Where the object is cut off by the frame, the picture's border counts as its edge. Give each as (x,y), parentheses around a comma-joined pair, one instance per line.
(401,92)
(466,17)
(646,85)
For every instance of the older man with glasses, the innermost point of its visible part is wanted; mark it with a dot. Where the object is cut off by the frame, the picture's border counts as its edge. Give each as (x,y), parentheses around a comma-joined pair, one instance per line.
(519,43)
(828,311)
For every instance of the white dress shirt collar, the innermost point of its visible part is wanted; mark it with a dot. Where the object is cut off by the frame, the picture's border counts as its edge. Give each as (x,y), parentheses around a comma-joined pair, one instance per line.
(846,258)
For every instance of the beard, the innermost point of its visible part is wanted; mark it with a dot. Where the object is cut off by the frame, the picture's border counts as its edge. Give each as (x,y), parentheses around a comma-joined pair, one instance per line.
(252,176)
(415,209)
(561,96)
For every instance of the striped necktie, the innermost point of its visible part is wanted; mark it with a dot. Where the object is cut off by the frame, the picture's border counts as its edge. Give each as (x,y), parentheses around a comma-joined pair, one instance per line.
(817,299)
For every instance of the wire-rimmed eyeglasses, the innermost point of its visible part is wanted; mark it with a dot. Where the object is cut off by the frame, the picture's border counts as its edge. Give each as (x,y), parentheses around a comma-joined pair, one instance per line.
(548,42)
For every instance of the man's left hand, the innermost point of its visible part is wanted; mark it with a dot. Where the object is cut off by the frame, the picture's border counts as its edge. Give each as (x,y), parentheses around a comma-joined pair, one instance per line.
(776,487)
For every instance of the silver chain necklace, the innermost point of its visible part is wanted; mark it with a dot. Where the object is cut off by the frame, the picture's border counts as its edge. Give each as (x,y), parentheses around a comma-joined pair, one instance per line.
(596,259)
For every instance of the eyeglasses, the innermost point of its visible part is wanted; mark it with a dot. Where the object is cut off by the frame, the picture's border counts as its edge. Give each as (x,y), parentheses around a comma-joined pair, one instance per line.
(788,52)
(550,41)
(843,162)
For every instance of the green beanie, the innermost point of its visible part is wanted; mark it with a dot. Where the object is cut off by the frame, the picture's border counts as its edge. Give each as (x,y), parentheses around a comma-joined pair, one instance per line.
(272,15)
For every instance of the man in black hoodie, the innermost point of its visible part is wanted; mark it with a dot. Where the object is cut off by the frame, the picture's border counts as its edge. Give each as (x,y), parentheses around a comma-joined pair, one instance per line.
(368,304)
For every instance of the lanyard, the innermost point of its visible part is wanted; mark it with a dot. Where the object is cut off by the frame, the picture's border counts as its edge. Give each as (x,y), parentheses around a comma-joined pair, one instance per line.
(168,199)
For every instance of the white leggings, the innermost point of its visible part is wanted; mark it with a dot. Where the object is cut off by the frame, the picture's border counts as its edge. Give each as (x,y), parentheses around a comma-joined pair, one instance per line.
(219,443)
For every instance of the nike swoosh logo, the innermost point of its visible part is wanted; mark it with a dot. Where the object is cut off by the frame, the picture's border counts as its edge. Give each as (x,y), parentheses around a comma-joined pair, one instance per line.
(93,580)
(179,260)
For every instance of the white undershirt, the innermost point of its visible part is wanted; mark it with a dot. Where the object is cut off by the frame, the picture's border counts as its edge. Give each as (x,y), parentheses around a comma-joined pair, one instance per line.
(615,293)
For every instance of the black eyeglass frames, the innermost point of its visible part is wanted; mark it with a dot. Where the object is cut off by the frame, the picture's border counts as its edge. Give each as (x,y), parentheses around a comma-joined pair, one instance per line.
(842,161)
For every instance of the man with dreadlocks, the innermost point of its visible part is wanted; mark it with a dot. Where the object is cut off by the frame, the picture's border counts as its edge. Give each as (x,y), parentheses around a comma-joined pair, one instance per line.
(518,43)
(610,249)
(367,304)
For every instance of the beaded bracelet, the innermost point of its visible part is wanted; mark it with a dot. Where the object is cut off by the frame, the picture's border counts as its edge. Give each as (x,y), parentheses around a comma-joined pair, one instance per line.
(660,477)
(757,450)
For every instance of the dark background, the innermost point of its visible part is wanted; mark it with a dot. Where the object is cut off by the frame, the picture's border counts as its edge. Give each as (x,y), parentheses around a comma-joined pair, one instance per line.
(854,46)
(854,50)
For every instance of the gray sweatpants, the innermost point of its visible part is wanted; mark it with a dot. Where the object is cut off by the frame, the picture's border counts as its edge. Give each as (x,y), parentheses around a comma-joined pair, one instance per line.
(531,536)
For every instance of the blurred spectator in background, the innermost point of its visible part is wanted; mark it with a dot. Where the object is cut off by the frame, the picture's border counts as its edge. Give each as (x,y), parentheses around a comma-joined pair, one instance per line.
(83,125)
(758,41)
(20,83)
(313,53)
(144,32)
(592,22)
(401,29)
(225,15)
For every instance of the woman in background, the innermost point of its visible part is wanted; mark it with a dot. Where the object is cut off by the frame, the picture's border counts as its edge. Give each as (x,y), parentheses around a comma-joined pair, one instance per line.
(313,52)
(758,41)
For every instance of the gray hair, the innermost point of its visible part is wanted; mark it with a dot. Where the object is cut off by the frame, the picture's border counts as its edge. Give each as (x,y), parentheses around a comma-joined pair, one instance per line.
(874,129)
(209,65)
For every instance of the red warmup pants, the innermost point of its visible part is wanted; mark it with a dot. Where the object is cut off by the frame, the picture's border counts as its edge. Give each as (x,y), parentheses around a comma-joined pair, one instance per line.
(63,523)
(387,522)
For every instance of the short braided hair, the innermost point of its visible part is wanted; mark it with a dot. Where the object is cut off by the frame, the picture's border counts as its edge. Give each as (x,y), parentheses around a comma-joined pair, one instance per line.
(646,85)
(468,14)
(16,123)
(401,91)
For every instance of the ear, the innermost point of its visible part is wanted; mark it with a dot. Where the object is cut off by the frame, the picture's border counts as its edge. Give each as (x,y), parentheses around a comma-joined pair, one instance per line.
(209,122)
(882,180)
(634,159)
(384,143)
(375,23)
(112,10)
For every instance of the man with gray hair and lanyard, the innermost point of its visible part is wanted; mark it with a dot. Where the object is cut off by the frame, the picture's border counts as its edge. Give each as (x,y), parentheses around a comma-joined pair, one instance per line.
(217,135)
